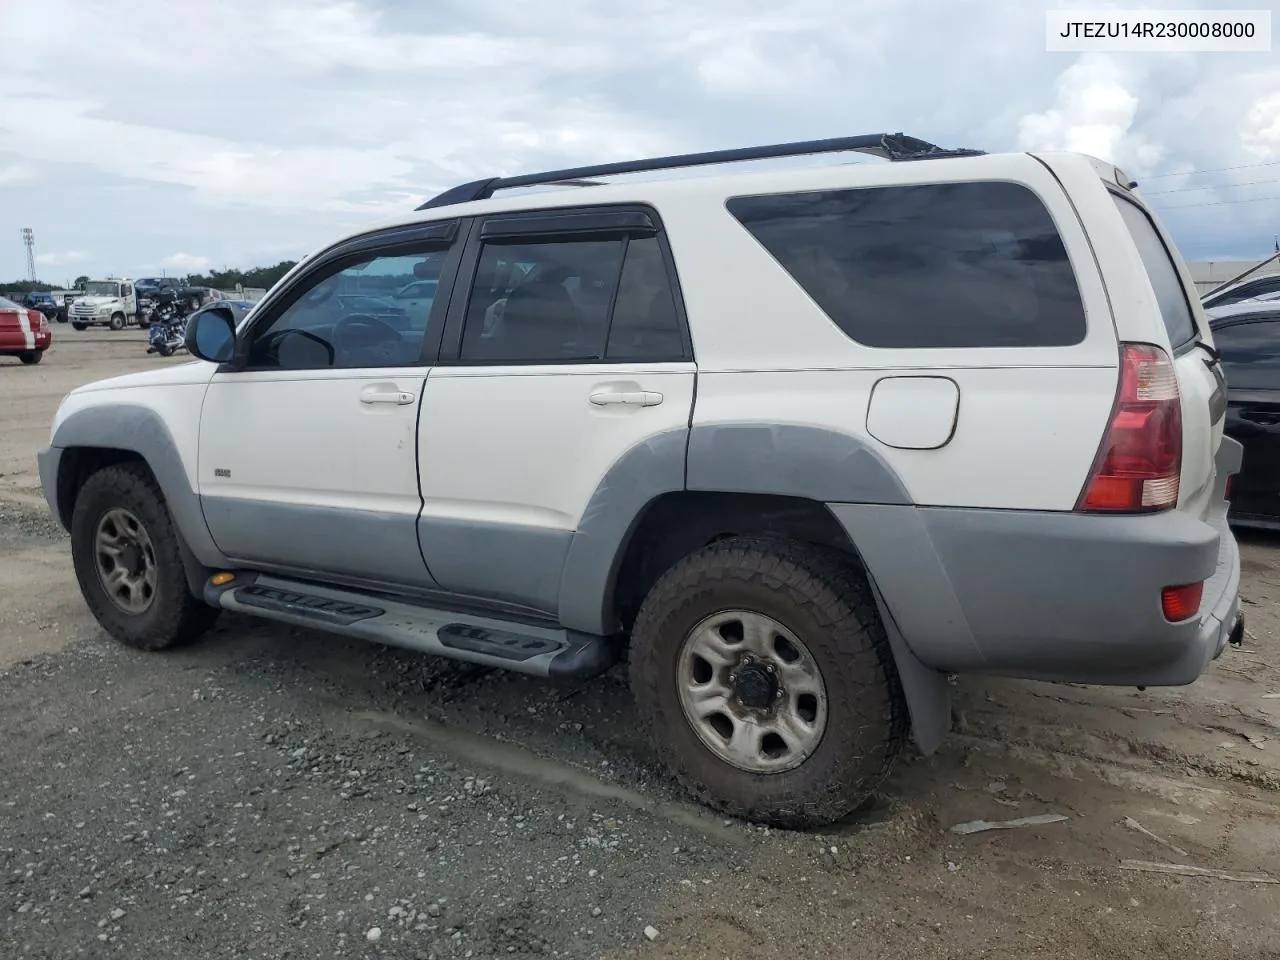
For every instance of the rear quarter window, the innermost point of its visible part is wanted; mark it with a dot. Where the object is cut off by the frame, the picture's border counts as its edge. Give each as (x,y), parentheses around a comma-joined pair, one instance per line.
(977,264)
(1175,309)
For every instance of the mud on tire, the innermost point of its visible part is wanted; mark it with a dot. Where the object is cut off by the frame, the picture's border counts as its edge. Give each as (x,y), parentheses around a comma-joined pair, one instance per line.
(817,595)
(173,616)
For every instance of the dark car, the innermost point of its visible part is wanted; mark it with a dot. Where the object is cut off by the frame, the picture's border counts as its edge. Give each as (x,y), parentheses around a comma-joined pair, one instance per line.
(1247,335)
(1245,290)
(154,287)
(47,304)
(240,308)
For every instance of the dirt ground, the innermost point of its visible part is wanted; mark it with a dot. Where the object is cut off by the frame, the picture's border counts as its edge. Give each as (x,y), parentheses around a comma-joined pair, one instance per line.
(274,792)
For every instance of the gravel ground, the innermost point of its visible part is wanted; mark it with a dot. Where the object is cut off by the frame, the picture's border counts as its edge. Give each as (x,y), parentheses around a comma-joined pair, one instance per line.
(272,792)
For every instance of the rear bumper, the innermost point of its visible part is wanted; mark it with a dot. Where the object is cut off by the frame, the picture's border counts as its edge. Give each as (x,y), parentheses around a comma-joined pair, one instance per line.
(15,343)
(1054,596)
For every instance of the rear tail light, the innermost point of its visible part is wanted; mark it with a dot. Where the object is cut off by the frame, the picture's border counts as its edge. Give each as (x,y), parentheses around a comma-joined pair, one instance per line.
(1140,459)
(1183,602)
(1231,482)
(38,321)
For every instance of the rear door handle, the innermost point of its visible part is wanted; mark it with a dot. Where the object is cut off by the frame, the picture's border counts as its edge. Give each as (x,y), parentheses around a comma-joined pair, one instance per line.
(383,394)
(635,398)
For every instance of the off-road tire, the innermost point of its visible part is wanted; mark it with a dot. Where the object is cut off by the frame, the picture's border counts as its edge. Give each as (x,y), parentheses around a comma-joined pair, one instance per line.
(31,357)
(79,326)
(117,321)
(825,600)
(175,617)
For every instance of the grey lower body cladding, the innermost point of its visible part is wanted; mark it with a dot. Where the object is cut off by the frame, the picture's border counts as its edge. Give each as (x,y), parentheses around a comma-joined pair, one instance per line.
(1051,596)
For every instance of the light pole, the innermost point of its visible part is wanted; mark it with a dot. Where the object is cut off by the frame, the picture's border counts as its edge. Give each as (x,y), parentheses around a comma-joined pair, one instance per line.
(29,241)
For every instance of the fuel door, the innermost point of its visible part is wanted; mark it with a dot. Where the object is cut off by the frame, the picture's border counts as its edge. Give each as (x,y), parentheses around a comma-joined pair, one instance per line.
(914,413)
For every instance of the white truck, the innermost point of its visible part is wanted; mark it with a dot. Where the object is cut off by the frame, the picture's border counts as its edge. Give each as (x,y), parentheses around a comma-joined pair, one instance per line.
(108,303)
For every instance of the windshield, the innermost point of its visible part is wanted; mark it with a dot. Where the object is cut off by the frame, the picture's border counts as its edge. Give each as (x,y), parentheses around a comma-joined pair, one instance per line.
(101,288)
(8,305)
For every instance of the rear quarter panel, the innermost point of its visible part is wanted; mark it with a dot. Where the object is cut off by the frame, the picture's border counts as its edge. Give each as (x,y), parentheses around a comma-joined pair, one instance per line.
(1029,419)
(1138,318)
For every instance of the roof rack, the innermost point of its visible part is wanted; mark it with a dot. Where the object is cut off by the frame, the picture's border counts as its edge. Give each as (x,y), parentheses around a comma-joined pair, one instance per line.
(890,146)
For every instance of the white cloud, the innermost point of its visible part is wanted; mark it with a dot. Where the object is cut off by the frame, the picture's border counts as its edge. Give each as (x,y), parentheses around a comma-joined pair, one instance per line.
(1261,128)
(292,121)
(61,259)
(12,174)
(186,263)
(1093,113)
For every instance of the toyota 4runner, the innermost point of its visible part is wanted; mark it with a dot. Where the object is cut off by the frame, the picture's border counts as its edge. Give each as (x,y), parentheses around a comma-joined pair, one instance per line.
(796,443)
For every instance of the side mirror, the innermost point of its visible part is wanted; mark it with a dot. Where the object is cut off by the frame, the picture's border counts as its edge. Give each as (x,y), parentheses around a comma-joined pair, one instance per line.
(211,335)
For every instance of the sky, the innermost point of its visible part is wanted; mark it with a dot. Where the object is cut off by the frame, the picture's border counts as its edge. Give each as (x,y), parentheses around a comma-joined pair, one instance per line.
(148,136)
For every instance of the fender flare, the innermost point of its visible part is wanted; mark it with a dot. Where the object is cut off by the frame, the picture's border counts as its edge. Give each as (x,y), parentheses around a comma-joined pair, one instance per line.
(140,430)
(810,463)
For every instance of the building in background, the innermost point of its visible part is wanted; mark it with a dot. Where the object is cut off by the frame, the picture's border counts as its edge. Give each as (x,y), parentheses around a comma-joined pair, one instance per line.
(1212,273)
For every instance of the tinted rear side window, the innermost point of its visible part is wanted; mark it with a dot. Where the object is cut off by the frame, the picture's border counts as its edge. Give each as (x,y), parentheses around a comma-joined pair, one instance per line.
(1250,353)
(932,265)
(1174,307)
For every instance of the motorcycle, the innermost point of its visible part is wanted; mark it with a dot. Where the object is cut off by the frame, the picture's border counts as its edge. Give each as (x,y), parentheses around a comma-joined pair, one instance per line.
(166,334)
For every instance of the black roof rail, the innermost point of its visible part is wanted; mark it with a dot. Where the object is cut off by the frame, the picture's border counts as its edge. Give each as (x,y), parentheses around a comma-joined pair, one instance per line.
(890,146)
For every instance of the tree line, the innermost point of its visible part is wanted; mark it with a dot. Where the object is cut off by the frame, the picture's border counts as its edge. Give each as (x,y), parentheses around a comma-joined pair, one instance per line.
(258,277)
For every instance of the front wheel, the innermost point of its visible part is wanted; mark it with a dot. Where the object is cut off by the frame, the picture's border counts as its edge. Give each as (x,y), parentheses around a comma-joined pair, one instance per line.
(125,549)
(116,322)
(79,326)
(31,357)
(764,677)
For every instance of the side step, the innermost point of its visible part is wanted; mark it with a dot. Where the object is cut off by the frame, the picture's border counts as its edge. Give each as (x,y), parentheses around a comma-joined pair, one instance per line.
(554,653)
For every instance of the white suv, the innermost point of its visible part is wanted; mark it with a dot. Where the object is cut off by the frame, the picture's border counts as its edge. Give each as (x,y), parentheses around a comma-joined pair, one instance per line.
(799,443)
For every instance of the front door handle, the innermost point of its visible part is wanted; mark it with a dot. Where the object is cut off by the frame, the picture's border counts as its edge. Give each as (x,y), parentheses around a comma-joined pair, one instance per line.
(380,394)
(635,398)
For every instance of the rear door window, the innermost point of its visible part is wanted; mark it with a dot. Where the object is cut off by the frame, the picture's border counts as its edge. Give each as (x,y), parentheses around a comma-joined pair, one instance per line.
(1250,351)
(1174,306)
(977,264)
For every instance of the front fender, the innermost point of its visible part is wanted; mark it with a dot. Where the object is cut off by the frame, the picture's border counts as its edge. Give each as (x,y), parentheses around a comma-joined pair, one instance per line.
(136,429)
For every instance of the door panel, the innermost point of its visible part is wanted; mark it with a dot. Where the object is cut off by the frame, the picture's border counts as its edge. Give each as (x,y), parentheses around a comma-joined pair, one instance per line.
(510,456)
(1256,424)
(315,470)
(308,452)
(565,350)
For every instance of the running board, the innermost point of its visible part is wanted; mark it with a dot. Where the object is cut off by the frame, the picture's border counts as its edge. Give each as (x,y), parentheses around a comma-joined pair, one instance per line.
(549,652)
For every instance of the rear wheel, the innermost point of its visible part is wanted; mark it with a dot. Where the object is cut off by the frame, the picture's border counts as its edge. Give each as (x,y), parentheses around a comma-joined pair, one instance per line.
(125,550)
(763,674)
(31,357)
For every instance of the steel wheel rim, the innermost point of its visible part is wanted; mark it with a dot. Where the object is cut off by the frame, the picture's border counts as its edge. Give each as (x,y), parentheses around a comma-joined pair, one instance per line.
(724,656)
(125,560)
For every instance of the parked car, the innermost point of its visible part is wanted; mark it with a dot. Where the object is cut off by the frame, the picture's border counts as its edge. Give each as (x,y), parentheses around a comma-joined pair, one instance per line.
(1247,336)
(47,304)
(24,332)
(193,298)
(1244,290)
(797,443)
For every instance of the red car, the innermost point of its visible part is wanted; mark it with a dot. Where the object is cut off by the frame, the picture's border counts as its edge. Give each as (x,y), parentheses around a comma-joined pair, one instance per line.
(24,333)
